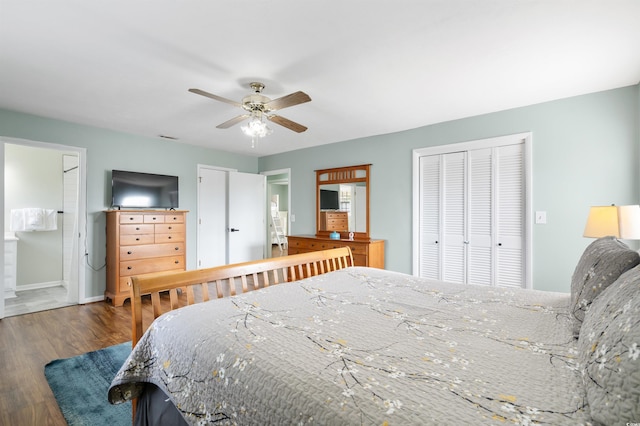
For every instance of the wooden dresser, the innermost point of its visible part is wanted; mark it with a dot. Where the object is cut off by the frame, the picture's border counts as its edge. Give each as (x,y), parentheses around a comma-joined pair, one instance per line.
(334,221)
(140,242)
(365,252)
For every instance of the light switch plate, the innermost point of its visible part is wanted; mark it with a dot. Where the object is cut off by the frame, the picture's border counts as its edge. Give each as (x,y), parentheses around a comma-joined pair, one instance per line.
(541,218)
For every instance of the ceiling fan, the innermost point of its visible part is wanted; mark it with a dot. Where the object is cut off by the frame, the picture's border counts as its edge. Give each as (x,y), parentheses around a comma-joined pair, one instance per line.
(258,106)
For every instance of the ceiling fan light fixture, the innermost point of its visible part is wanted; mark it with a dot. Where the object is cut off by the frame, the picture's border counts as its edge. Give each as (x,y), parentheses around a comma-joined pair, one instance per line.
(256,128)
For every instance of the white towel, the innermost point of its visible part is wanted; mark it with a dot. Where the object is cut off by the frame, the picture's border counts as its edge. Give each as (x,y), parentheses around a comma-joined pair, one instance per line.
(33,219)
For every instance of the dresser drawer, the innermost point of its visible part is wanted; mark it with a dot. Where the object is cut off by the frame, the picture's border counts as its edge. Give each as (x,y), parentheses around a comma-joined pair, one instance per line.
(174,218)
(169,228)
(153,218)
(133,239)
(306,244)
(145,266)
(150,250)
(136,229)
(178,237)
(337,225)
(131,218)
(358,248)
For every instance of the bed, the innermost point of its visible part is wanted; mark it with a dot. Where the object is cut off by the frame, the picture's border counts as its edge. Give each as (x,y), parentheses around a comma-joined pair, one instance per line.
(360,345)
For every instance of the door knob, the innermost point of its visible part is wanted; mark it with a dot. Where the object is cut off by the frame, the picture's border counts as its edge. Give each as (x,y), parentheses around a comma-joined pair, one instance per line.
(234,230)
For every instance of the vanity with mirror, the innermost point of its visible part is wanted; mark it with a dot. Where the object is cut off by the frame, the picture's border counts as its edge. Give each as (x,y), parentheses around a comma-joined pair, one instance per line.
(342,216)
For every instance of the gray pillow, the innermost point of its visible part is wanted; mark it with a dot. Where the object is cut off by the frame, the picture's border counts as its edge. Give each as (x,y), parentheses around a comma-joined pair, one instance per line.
(603,261)
(609,352)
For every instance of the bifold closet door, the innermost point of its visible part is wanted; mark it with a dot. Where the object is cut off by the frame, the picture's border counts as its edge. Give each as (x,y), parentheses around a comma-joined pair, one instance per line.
(472,216)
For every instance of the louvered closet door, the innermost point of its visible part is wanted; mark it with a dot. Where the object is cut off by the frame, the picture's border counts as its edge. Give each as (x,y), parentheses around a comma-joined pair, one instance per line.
(453,244)
(510,216)
(479,217)
(430,217)
(472,216)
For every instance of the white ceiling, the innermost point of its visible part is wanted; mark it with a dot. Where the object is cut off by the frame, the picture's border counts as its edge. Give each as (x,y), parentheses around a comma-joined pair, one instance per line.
(370,66)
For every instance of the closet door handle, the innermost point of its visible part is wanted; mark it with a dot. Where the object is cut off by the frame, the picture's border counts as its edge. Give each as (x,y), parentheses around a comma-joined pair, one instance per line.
(233,230)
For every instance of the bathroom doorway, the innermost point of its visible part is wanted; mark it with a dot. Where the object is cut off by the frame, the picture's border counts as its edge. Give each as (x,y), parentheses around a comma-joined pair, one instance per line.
(43,265)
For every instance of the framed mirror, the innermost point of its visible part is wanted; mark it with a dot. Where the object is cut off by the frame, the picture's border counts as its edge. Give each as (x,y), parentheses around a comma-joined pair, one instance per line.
(342,202)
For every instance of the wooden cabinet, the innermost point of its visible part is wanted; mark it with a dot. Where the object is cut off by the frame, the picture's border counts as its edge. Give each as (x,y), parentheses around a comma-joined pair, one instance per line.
(365,252)
(141,242)
(334,221)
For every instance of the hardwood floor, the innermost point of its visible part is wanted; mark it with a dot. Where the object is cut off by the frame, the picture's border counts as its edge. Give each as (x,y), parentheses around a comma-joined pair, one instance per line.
(30,341)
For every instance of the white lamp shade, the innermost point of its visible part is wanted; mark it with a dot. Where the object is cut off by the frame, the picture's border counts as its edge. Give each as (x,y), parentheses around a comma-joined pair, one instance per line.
(616,221)
(629,220)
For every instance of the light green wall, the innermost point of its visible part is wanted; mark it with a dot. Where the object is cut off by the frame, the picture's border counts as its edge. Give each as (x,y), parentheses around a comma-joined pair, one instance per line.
(107,150)
(585,152)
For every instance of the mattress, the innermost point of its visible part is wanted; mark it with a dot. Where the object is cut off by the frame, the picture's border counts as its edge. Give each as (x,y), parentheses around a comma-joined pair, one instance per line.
(364,346)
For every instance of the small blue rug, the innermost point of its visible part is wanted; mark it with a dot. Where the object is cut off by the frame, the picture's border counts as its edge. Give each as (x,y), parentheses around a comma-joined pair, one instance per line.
(80,385)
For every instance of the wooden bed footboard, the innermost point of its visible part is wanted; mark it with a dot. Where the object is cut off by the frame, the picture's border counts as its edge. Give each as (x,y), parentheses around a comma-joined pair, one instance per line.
(227,280)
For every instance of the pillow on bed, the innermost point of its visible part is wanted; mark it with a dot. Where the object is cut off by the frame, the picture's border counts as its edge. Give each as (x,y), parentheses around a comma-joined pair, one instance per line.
(609,352)
(600,265)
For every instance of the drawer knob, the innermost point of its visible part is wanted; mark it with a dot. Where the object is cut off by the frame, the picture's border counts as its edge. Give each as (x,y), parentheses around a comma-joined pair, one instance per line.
(154,218)
(169,237)
(137,228)
(170,227)
(177,261)
(177,248)
(129,252)
(129,268)
(130,218)
(137,239)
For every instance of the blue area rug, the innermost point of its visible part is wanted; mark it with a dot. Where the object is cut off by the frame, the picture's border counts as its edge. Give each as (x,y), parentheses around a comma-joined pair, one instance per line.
(80,385)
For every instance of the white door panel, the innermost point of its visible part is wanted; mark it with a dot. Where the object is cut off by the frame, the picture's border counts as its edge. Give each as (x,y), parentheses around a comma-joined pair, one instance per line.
(247,215)
(212,220)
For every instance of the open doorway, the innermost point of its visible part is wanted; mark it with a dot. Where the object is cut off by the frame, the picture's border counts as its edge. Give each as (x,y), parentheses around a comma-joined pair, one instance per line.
(42,181)
(278,211)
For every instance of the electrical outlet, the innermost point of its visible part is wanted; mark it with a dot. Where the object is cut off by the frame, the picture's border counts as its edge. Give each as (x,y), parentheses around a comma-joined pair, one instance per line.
(293,217)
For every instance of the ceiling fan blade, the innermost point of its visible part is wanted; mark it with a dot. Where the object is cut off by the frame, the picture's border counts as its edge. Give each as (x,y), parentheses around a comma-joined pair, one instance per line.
(216,97)
(287,101)
(285,122)
(233,121)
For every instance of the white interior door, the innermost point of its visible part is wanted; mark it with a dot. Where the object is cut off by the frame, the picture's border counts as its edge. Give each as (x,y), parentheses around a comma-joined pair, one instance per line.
(212,217)
(247,214)
(231,217)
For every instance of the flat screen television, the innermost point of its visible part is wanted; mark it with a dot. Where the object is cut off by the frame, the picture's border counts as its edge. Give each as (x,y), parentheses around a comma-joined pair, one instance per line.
(329,200)
(143,190)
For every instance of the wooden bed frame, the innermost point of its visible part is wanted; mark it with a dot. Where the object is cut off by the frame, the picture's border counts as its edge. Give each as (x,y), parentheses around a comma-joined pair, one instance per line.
(251,275)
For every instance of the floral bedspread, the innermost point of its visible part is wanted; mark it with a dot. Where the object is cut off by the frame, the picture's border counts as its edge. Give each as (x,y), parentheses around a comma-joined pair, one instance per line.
(365,346)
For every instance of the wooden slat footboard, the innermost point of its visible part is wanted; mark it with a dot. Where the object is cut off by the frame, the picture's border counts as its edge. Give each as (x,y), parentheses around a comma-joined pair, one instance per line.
(227,280)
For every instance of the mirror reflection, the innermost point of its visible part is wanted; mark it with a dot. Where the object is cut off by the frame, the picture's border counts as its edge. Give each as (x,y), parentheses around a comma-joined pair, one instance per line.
(343,207)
